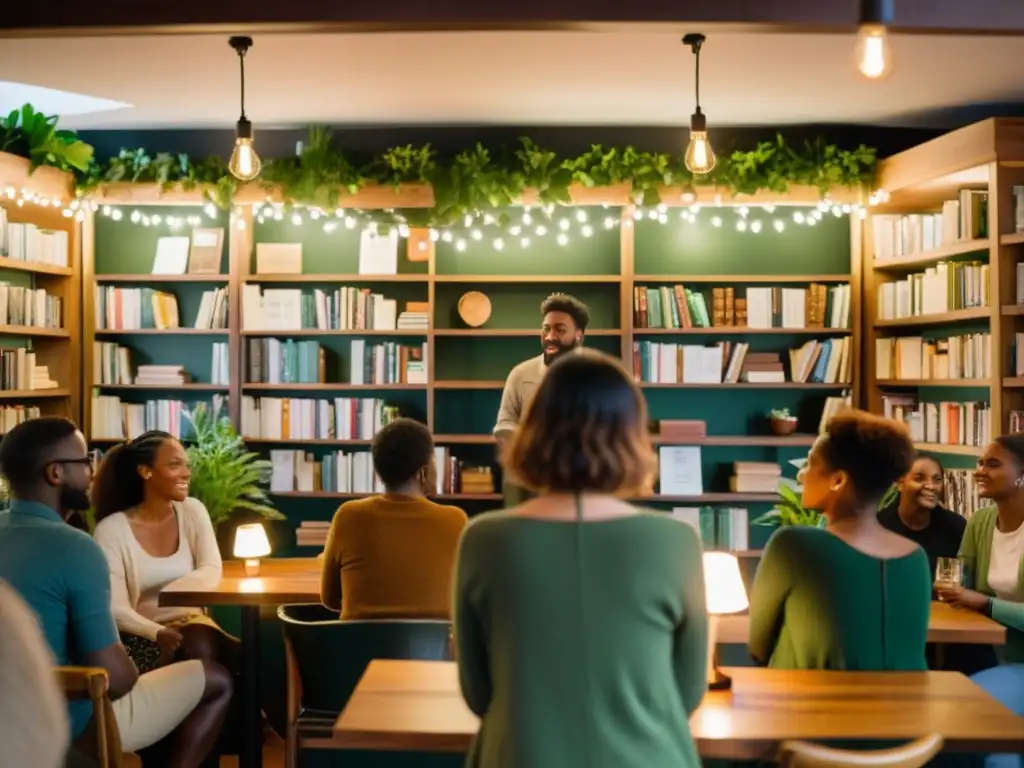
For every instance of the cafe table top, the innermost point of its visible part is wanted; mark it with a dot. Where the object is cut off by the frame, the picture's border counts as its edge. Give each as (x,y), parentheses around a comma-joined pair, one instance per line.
(417,706)
(297,580)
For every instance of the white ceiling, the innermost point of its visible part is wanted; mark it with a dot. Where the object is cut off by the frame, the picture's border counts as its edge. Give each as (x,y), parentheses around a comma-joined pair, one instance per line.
(519,78)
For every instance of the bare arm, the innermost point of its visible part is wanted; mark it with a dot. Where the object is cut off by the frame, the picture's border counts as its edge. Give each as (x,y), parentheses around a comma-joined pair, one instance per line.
(121,669)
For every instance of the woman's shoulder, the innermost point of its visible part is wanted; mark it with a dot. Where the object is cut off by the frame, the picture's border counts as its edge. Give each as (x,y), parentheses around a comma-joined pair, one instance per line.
(112,526)
(982,517)
(192,509)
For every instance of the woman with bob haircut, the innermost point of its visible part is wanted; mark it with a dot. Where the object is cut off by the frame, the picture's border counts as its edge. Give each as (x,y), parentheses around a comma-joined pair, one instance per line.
(580,623)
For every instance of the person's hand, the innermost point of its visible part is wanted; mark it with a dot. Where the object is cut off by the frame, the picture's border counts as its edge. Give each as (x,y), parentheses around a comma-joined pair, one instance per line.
(169,641)
(959,597)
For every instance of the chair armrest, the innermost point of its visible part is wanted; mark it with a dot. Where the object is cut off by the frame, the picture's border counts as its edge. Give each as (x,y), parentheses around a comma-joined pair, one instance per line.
(83,682)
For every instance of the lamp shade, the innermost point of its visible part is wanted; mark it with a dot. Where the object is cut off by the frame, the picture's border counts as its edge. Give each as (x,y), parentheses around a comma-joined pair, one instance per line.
(723,584)
(251,541)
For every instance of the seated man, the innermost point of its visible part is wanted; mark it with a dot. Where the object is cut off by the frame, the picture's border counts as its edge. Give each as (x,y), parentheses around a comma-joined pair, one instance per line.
(391,556)
(63,576)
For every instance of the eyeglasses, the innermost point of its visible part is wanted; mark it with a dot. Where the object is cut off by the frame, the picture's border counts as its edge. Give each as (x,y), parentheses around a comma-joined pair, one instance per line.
(85,460)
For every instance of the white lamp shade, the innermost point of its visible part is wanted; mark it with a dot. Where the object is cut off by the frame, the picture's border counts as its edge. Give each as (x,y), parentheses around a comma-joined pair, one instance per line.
(723,584)
(251,541)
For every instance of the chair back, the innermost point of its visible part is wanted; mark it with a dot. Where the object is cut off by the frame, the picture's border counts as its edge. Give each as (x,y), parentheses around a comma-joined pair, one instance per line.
(331,655)
(101,740)
(803,754)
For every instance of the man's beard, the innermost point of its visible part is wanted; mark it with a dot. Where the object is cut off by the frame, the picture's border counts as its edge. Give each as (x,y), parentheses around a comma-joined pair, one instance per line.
(550,357)
(74,499)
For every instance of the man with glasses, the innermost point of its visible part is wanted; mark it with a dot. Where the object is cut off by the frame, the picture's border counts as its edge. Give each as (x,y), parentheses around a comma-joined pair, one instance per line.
(61,573)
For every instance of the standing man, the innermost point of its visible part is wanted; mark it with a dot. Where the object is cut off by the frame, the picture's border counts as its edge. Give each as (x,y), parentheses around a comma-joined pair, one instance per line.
(565,320)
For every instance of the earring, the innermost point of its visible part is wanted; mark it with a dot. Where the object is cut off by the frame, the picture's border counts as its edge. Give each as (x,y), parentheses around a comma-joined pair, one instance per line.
(147,476)
(1019,482)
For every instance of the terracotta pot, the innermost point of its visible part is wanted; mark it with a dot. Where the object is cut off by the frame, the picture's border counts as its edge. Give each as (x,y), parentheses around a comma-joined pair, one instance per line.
(783,427)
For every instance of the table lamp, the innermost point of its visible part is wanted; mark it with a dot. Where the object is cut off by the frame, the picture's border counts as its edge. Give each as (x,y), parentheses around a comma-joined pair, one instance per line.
(725,592)
(251,544)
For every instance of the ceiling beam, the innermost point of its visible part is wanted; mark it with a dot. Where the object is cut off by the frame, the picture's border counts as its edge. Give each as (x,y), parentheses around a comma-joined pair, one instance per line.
(72,17)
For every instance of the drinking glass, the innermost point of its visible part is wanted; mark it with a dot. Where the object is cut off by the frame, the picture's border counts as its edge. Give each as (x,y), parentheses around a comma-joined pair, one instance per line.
(949,572)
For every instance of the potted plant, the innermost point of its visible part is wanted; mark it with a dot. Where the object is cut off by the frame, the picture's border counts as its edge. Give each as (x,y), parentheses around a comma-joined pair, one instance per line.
(226,477)
(783,423)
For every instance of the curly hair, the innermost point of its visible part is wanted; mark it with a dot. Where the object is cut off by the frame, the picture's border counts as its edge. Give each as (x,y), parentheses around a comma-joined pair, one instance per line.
(584,430)
(27,446)
(117,485)
(874,451)
(400,450)
(570,305)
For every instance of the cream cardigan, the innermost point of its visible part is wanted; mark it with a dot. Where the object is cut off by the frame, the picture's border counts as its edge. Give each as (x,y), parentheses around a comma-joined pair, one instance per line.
(114,536)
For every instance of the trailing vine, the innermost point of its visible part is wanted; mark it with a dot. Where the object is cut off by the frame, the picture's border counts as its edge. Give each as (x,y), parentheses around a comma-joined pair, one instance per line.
(472,181)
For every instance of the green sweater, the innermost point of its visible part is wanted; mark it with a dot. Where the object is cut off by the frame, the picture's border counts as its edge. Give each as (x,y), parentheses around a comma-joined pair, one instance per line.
(976,550)
(818,603)
(581,644)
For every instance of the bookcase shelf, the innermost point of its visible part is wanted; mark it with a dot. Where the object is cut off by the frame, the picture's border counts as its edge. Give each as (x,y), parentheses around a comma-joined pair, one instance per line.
(221,279)
(161,332)
(39,252)
(466,369)
(923,180)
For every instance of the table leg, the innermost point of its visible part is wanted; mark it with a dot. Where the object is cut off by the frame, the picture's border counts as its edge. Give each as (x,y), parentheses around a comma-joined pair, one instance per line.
(251,747)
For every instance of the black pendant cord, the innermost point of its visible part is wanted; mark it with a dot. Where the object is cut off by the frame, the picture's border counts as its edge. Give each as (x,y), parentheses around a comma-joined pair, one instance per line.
(241,69)
(697,88)
(695,40)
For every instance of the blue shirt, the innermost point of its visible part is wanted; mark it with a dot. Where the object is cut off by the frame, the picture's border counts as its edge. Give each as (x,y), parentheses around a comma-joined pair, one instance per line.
(62,574)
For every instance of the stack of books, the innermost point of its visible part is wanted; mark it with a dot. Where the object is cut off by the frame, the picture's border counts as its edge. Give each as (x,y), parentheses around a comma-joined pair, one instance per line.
(755,477)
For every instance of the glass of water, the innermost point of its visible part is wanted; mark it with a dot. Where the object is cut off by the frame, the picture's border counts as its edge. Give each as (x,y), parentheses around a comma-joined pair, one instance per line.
(949,572)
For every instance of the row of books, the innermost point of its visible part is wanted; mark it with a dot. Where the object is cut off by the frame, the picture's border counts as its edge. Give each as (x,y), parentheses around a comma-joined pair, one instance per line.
(13,415)
(29,243)
(130,309)
(957,357)
(276,361)
(962,219)
(345,308)
(32,307)
(960,494)
(817,306)
(719,528)
(941,423)
(945,287)
(112,366)
(113,419)
(298,418)
(20,371)
(828,361)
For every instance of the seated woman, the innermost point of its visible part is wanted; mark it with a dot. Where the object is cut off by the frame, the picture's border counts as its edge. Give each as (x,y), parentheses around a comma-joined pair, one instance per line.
(153,533)
(853,596)
(391,556)
(993,553)
(917,514)
(580,624)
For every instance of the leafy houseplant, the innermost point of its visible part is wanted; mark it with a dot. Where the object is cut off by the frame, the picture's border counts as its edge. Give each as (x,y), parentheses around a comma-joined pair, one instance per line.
(225,476)
(27,133)
(782,421)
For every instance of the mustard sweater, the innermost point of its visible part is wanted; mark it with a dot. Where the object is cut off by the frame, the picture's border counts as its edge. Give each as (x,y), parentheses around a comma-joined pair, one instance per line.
(391,557)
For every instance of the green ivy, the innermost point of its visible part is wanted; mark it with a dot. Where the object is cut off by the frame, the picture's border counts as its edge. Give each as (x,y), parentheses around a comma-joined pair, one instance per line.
(472,181)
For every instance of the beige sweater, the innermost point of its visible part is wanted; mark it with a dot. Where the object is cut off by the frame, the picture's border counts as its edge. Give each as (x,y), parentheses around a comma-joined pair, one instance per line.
(34,729)
(115,537)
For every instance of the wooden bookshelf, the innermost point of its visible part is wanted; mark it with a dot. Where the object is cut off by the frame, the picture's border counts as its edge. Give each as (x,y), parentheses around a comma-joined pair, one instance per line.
(59,349)
(983,157)
(602,274)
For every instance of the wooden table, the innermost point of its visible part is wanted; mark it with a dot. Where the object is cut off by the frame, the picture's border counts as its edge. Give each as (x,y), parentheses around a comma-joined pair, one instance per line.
(417,706)
(297,580)
(281,580)
(946,625)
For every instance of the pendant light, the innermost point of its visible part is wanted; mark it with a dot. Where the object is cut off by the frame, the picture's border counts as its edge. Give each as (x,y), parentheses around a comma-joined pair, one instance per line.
(245,163)
(699,158)
(872,54)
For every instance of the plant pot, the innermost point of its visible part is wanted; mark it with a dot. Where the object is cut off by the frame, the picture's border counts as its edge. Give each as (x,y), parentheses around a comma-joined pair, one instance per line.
(783,427)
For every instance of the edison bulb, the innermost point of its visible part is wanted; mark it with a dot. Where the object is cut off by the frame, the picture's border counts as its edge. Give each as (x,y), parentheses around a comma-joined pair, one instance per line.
(700,158)
(872,52)
(245,163)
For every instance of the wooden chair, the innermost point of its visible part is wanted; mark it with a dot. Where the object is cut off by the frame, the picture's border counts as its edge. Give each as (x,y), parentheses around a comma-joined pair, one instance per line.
(101,740)
(803,754)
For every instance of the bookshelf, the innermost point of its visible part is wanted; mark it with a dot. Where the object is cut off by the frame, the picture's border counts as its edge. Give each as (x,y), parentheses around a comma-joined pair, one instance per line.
(40,295)
(976,245)
(621,249)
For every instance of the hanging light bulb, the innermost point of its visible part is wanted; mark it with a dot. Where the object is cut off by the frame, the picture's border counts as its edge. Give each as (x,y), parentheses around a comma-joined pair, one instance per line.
(872,54)
(244,164)
(700,157)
